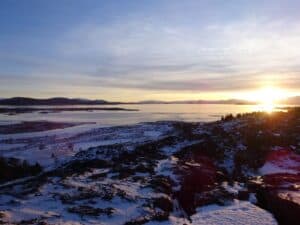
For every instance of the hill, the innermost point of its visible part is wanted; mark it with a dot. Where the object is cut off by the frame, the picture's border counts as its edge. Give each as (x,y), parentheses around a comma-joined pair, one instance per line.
(51,101)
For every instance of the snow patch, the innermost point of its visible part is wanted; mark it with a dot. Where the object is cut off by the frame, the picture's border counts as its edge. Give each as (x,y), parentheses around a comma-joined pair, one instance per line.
(239,213)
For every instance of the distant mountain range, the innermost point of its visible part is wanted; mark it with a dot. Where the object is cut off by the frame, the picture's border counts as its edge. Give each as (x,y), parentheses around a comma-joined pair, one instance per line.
(16,101)
(22,101)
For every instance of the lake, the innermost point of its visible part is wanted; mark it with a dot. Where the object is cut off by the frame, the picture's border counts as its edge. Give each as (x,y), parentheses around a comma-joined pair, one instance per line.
(146,113)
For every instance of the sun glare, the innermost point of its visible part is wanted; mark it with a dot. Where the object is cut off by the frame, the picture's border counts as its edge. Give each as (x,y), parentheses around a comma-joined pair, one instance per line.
(267,98)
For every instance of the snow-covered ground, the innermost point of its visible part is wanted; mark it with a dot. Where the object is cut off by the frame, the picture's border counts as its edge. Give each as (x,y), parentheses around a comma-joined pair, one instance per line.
(49,147)
(136,175)
(239,212)
(281,161)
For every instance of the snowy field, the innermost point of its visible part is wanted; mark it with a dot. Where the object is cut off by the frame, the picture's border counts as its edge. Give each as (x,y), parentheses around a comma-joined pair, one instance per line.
(148,173)
(101,195)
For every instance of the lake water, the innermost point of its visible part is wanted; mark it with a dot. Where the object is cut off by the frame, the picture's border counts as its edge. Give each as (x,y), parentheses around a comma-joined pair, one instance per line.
(146,113)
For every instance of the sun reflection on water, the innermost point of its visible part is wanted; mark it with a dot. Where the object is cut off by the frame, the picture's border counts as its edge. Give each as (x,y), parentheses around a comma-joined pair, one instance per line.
(267,107)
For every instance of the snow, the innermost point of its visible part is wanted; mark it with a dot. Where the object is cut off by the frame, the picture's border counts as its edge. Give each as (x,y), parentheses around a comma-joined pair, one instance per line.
(97,142)
(165,167)
(65,143)
(152,134)
(9,122)
(252,198)
(169,150)
(234,189)
(239,213)
(290,195)
(5,147)
(281,161)
(173,220)
(67,132)
(271,168)
(90,144)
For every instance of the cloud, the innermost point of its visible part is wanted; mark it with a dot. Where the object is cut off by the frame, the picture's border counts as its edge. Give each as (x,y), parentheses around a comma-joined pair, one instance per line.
(188,51)
(138,54)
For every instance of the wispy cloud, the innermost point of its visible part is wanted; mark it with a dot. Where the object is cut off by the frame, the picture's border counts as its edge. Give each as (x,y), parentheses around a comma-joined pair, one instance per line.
(170,49)
(147,51)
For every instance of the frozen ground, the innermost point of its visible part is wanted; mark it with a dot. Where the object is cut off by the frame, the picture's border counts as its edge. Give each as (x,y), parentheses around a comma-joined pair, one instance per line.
(149,173)
(50,147)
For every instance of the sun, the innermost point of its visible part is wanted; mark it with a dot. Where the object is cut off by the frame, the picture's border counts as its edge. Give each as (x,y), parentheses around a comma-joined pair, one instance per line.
(267,98)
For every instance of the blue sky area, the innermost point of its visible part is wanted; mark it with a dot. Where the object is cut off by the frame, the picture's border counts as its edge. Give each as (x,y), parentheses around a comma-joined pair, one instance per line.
(137,50)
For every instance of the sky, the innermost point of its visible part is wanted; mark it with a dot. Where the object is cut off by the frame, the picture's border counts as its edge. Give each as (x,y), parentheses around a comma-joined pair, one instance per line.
(131,50)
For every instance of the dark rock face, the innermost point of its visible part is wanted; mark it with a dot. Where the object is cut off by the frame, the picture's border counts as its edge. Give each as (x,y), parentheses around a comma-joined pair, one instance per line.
(163,203)
(285,208)
(197,176)
(12,168)
(90,211)
(279,192)
(161,184)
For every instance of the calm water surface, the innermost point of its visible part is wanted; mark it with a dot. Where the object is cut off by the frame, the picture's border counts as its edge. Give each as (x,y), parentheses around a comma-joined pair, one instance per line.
(146,113)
